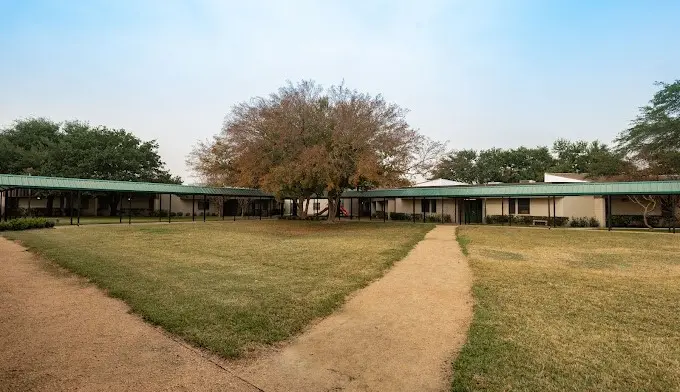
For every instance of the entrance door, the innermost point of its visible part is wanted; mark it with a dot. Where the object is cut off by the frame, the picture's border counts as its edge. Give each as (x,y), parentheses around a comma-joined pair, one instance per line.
(473,210)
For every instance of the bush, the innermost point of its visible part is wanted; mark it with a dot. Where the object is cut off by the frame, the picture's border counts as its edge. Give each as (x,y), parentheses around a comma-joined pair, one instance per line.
(637,221)
(399,216)
(525,220)
(379,215)
(25,224)
(187,214)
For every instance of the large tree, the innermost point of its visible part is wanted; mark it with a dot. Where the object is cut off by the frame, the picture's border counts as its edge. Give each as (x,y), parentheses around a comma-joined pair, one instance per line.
(495,165)
(594,158)
(306,140)
(653,140)
(40,146)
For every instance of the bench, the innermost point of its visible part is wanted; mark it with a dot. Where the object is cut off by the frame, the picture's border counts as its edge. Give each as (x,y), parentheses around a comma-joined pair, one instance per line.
(540,222)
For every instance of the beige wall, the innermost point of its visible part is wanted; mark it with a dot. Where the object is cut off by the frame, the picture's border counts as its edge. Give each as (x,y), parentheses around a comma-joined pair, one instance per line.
(625,206)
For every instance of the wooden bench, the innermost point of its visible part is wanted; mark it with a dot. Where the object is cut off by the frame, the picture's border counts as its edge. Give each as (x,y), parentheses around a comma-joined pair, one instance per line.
(540,222)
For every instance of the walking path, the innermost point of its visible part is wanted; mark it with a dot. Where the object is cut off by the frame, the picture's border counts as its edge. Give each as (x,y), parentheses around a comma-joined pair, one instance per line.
(59,333)
(398,334)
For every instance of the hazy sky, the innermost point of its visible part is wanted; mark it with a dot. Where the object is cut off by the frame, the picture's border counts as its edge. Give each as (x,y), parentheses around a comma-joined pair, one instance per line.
(477,73)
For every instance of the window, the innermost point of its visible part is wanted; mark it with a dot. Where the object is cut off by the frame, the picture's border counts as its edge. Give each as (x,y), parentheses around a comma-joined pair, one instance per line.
(511,206)
(317,206)
(523,206)
(203,205)
(428,205)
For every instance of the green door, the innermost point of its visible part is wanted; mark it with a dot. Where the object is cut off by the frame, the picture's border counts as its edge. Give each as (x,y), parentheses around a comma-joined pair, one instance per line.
(473,210)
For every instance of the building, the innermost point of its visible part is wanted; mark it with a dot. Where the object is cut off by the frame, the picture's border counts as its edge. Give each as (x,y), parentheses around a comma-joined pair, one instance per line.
(561,197)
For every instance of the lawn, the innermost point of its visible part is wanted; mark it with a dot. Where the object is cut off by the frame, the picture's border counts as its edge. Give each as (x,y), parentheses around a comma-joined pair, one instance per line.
(229,286)
(571,310)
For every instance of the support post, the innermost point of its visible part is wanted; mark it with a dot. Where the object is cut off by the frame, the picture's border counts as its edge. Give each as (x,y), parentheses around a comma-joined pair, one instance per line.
(205,212)
(554,213)
(120,210)
(351,208)
(259,201)
(549,212)
(4,205)
(413,216)
(422,201)
(384,209)
(160,207)
(609,212)
(222,207)
(193,208)
(169,207)
(359,205)
(71,205)
(236,211)
(370,209)
(80,198)
(30,196)
(129,209)
(503,211)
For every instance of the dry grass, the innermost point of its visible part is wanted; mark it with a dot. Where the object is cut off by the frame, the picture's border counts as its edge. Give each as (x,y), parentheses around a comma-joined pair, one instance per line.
(229,287)
(561,310)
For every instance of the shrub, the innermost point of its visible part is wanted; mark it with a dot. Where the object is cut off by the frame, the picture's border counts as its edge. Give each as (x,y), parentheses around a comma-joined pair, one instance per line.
(187,214)
(25,224)
(399,216)
(525,220)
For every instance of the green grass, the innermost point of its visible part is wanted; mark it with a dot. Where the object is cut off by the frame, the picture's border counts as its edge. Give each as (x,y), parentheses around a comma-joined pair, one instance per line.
(229,287)
(563,310)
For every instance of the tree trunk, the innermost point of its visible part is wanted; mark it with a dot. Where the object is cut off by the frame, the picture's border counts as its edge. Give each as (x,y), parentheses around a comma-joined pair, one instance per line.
(333,203)
(302,212)
(50,205)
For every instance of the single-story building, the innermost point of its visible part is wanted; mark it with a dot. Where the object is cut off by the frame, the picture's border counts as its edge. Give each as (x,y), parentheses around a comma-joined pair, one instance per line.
(561,197)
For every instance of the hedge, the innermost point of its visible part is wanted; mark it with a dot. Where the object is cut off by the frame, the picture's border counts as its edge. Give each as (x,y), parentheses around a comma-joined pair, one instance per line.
(638,221)
(402,216)
(525,220)
(25,224)
(584,222)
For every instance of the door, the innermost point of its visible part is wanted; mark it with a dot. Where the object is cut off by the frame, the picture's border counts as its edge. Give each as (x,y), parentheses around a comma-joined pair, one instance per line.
(473,210)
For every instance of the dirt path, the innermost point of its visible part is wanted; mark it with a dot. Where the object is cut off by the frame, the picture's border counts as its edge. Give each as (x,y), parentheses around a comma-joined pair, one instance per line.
(62,334)
(398,334)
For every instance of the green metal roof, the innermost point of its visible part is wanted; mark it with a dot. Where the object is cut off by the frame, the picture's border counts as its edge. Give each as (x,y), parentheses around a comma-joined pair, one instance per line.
(539,189)
(9,181)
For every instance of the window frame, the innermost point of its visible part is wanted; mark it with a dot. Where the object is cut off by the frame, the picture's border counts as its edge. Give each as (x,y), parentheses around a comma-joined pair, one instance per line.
(520,210)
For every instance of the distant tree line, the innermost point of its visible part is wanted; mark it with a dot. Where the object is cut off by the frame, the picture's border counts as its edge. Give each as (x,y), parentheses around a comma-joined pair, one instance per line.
(649,149)
(42,147)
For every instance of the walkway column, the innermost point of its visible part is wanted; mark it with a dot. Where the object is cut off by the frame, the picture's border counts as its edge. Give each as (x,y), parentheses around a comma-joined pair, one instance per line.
(129,208)
(71,205)
(384,209)
(169,207)
(503,211)
(548,224)
(554,213)
(205,197)
(30,196)
(608,207)
(160,207)
(80,198)
(413,216)
(193,205)
(351,208)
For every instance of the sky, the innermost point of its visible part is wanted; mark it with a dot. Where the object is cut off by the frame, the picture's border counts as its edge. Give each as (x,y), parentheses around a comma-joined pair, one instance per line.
(477,73)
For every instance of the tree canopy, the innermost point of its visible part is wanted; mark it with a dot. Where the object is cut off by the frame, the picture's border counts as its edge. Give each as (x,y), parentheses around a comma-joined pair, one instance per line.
(653,140)
(305,140)
(517,164)
(39,146)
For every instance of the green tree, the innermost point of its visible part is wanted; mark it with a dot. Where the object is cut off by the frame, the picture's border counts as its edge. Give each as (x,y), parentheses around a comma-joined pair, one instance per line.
(592,158)
(25,147)
(458,165)
(75,149)
(653,140)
